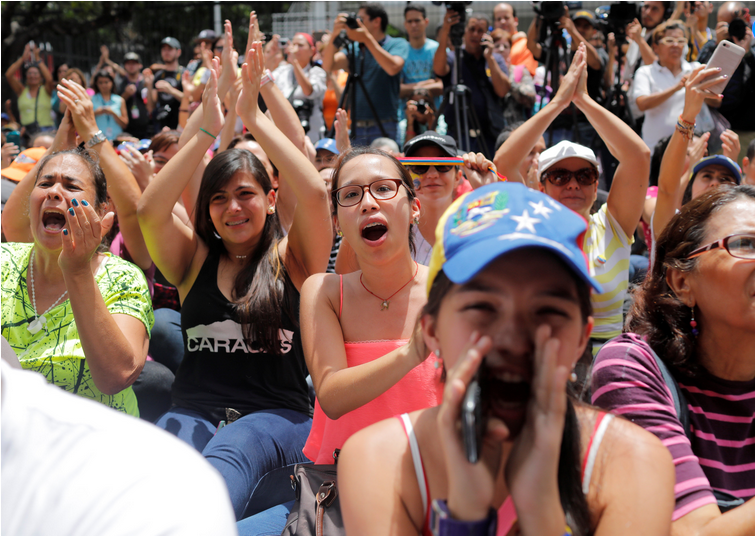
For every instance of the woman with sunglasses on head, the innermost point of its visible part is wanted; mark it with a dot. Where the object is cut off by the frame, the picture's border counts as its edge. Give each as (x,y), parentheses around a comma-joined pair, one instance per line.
(240,395)
(569,174)
(366,362)
(658,88)
(695,312)
(509,300)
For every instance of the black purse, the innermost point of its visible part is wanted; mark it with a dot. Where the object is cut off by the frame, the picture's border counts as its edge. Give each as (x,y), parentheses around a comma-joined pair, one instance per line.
(316,511)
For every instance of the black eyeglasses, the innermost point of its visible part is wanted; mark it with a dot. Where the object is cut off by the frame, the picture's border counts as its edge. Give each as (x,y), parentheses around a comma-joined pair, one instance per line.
(562,177)
(382,190)
(739,246)
(422,169)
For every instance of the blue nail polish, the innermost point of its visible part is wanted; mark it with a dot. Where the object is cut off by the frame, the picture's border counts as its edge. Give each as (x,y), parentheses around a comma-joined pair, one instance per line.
(84,203)
(65,232)
(71,211)
(74,202)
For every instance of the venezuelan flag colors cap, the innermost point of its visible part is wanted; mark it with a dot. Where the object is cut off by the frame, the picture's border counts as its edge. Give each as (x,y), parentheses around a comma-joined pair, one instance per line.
(501,217)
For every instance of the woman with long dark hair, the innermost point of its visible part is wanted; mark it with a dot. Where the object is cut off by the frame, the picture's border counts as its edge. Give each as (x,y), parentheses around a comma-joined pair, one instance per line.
(240,395)
(109,108)
(695,312)
(509,300)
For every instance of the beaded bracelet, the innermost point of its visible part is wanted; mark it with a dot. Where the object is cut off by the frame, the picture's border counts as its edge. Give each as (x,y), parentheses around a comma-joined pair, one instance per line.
(266,78)
(685,123)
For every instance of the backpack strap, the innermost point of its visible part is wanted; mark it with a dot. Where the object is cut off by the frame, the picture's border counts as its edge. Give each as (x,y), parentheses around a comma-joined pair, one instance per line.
(681,404)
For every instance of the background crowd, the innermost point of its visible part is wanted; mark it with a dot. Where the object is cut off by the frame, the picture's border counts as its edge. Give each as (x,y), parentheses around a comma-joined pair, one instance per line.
(273,253)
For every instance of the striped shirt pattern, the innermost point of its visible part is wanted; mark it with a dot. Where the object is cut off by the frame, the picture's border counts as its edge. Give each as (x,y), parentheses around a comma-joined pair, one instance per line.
(720,453)
(607,248)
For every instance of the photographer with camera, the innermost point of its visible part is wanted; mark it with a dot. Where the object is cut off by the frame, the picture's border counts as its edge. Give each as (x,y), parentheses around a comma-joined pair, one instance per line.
(734,24)
(420,115)
(379,62)
(481,70)
(303,83)
(696,19)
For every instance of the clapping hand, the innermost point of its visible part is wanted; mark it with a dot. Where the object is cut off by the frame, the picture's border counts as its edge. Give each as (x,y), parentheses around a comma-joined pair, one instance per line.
(82,236)
(342,131)
(212,114)
(140,165)
(78,102)
(251,74)
(730,144)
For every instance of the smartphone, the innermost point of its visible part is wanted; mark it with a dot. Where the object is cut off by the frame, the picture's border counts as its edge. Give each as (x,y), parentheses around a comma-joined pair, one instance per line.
(727,56)
(13,137)
(473,424)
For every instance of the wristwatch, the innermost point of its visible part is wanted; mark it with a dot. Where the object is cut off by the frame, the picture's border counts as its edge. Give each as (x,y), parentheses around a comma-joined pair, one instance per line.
(442,524)
(96,139)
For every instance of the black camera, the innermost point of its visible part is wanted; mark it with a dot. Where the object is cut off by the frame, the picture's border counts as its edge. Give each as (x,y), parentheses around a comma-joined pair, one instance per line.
(351,21)
(303,108)
(615,18)
(551,12)
(737,29)
(422,106)
(458,30)
(283,42)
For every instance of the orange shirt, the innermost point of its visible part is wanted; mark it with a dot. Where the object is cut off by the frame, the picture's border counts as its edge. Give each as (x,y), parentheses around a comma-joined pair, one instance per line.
(520,55)
(330,103)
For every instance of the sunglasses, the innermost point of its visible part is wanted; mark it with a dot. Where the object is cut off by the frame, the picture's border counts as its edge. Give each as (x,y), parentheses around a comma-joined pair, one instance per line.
(381,190)
(739,246)
(561,177)
(673,41)
(422,169)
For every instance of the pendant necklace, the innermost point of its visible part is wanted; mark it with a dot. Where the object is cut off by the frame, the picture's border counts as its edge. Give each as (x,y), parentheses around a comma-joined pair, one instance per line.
(39,320)
(385,301)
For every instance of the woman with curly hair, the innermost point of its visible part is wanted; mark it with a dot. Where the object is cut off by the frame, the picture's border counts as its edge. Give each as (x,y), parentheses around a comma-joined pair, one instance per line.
(695,311)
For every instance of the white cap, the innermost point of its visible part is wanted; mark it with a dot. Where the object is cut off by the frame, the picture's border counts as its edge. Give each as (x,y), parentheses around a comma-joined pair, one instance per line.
(563,150)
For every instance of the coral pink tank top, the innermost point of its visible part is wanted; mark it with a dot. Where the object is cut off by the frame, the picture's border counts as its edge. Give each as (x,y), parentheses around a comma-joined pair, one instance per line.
(419,389)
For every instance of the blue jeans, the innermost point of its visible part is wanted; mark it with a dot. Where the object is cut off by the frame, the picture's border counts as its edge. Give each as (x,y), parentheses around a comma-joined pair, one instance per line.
(364,136)
(270,522)
(255,454)
(166,342)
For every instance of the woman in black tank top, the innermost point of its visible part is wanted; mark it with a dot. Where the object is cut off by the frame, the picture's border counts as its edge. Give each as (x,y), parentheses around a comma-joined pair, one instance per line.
(240,396)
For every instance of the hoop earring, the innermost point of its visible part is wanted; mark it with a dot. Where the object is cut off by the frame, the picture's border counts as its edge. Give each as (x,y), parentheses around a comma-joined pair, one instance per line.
(693,323)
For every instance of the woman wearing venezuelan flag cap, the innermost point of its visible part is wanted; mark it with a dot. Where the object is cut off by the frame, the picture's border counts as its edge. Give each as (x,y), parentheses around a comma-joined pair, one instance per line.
(509,308)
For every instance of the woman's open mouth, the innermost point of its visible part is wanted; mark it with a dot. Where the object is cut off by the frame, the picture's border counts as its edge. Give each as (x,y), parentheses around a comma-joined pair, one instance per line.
(53,221)
(374,232)
(507,394)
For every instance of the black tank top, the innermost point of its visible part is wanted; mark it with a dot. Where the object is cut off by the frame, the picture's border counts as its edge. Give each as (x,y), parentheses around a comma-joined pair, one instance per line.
(220,370)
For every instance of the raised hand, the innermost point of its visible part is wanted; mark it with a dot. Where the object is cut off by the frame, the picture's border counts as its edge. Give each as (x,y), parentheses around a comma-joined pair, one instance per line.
(581,90)
(228,60)
(570,81)
(730,144)
(478,169)
(342,131)
(65,137)
(78,102)
(149,78)
(531,470)
(697,90)
(251,73)
(82,236)
(212,119)
(141,166)
(471,486)
(27,56)
(186,83)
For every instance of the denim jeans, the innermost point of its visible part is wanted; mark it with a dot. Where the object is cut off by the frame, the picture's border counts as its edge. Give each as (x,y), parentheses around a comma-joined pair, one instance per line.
(271,522)
(364,136)
(255,454)
(166,342)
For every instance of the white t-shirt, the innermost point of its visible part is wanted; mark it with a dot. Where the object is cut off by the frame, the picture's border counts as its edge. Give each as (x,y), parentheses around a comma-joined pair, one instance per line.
(661,120)
(72,466)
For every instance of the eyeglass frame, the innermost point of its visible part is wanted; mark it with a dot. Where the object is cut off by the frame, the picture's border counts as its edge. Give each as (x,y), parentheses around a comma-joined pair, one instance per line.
(427,168)
(573,174)
(722,243)
(674,41)
(397,181)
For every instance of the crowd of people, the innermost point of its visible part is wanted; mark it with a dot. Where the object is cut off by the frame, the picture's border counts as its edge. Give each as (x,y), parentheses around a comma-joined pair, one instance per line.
(307,249)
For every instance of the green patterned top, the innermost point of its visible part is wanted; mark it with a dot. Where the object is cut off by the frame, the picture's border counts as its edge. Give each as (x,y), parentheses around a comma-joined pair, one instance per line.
(55,351)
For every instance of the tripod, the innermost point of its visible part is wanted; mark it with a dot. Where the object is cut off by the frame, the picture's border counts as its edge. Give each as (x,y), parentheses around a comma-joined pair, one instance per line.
(350,91)
(551,61)
(464,116)
(616,99)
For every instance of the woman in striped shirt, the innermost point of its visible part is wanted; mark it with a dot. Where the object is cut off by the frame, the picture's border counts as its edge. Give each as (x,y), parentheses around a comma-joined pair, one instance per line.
(696,312)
